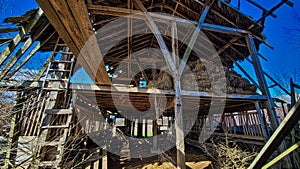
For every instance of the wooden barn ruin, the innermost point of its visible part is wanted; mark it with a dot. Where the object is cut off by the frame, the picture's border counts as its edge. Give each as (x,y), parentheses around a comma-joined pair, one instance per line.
(53,115)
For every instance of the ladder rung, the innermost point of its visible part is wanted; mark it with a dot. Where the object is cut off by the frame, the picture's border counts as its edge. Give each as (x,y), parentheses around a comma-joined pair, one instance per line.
(61,44)
(55,127)
(49,79)
(62,61)
(53,89)
(53,143)
(58,111)
(64,53)
(47,164)
(59,70)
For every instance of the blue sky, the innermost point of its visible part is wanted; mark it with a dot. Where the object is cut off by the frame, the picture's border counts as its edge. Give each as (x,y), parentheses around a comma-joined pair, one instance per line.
(285,57)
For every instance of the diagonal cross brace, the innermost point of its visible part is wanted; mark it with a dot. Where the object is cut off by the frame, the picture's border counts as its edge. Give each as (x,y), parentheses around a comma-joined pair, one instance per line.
(192,42)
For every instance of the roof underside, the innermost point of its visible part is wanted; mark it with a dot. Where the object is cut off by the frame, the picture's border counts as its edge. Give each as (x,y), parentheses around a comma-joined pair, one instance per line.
(229,47)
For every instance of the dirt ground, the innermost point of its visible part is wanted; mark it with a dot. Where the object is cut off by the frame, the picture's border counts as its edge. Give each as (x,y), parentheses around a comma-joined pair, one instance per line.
(195,159)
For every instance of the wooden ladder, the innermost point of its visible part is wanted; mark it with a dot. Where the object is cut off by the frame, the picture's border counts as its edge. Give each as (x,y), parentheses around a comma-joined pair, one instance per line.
(57,117)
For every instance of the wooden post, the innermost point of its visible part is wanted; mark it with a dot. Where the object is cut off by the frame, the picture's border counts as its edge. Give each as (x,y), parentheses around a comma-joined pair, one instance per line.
(265,90)
(104,159)
(129,40)
(179,126)
(146,125)
(155,126)
(140,128)
(178,103)
(263,125)
(293,97)
(133,127)
(262,82)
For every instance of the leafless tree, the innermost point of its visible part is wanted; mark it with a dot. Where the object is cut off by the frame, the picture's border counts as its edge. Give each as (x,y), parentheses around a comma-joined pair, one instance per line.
(293,32)
(283,78)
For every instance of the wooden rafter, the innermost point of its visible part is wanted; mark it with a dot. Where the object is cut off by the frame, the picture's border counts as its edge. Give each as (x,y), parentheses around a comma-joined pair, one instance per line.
(15,58)
(26,59)
(158,36)
(17,39)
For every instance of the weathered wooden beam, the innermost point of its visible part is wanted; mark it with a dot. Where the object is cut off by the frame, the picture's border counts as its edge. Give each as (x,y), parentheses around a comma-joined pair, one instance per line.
(126,89)
(17,39)
(261,7)
(150,22)
(224,29)
(129,40)
(6,30)
(104,159)
(278,136)
(179,126)
(282,155)
(178,103)
(116,11)
(13,136)
(71,21)
(193,41)
(175,52)
(262,81)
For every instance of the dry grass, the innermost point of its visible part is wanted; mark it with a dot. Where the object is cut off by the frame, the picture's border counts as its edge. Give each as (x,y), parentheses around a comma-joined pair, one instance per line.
(228,155)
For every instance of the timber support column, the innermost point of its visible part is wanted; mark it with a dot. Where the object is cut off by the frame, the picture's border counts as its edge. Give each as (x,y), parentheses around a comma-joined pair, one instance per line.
(265,91)
(262,82)
(179,126)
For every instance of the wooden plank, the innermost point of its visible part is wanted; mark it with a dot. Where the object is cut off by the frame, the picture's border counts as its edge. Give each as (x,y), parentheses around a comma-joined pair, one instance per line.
(58,111)
(93,55)
(17,39)
(6,30)
(278,136)
(240,136)
(57,24)
(282,155)
(64,13)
